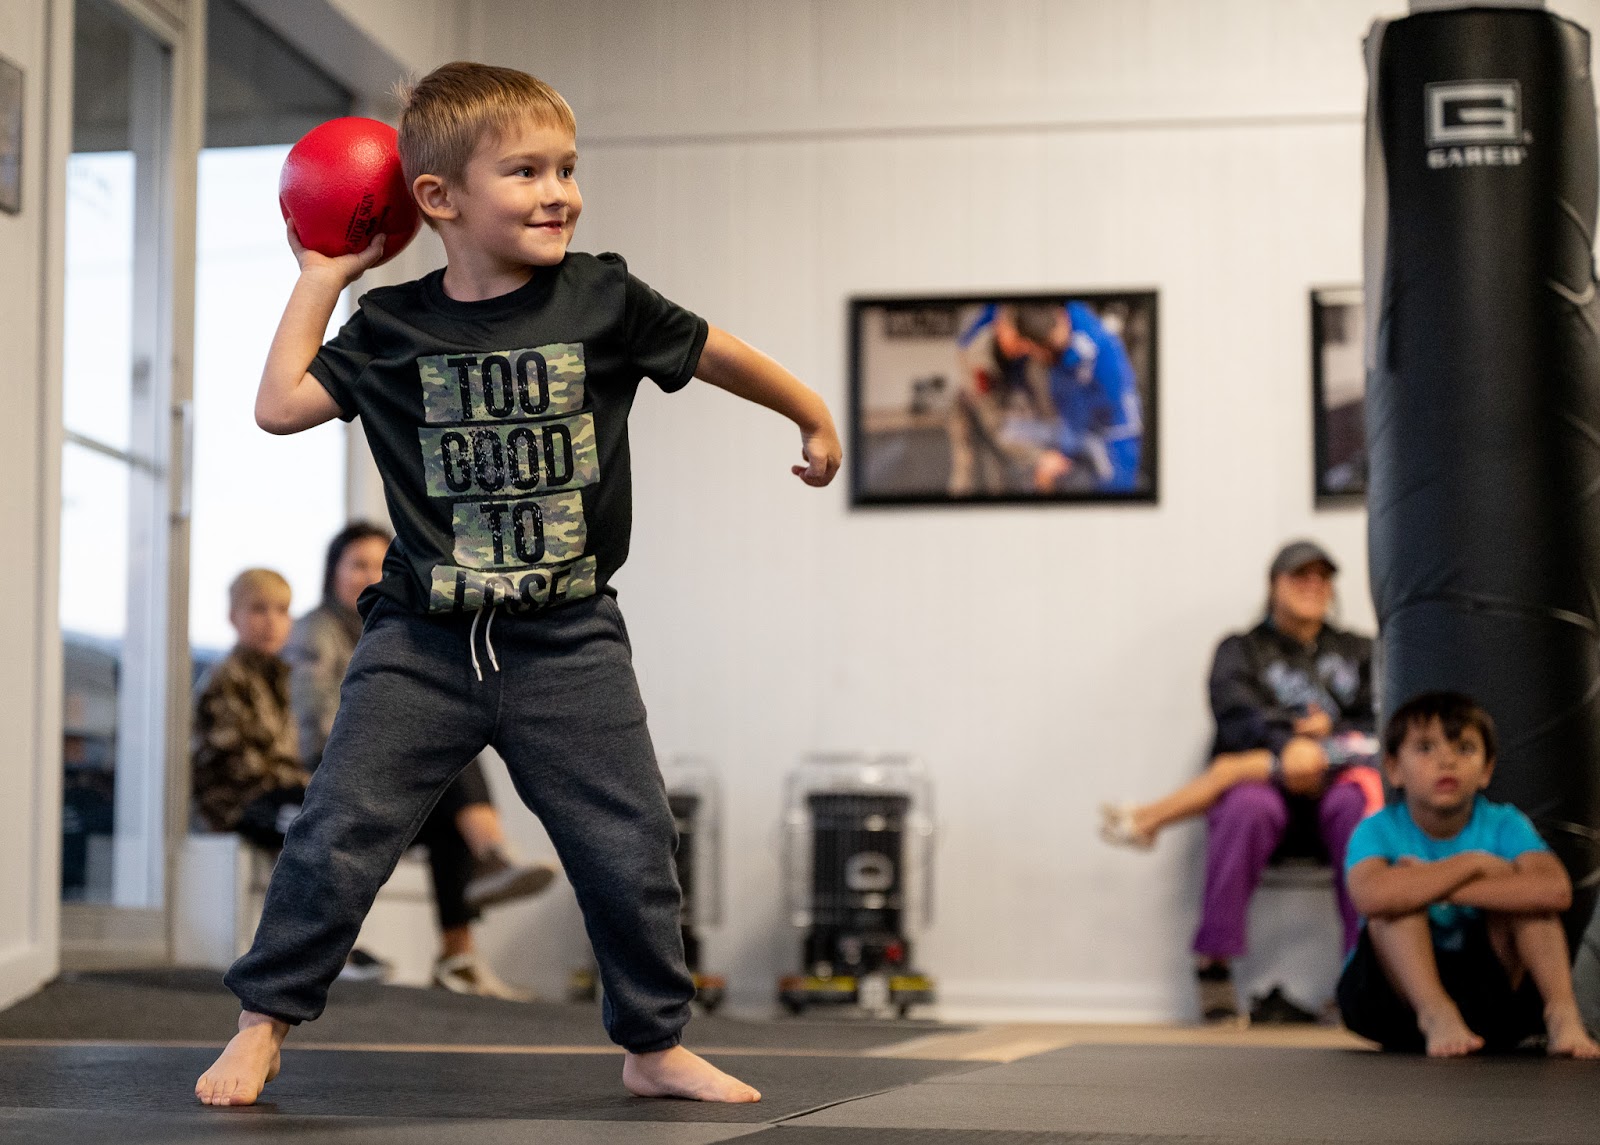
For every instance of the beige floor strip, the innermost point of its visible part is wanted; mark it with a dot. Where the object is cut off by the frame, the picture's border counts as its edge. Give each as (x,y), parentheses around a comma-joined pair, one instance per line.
(1000,1043)
(1005,1043)
(414,1048)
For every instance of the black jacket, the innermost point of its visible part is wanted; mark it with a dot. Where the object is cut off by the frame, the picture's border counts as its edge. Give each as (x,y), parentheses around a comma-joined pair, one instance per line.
(1262,681)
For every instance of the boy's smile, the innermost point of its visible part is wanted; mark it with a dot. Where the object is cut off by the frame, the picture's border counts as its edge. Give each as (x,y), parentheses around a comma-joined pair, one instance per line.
(520,199)
(515,206)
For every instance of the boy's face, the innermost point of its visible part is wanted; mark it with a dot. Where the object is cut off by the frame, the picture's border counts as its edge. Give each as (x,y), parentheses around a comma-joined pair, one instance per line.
(1437,773)
(518,201)
(262,621)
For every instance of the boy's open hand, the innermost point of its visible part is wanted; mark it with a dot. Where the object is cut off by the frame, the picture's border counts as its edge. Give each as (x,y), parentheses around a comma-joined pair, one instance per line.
(823,454)
(348,267)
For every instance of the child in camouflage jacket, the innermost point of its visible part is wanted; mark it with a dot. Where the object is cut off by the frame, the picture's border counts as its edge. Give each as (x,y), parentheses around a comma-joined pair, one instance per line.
(247,773)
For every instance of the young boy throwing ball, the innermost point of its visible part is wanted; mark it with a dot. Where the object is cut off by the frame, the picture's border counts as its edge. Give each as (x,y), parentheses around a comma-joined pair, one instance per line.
(495,396)
(1462,949)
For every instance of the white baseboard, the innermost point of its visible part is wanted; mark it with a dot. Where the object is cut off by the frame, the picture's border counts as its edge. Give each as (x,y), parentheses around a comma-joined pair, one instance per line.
(1118,1002)
(23,970)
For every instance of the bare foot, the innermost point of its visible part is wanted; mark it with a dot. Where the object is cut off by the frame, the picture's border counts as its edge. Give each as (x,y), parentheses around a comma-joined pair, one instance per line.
(1448,1036)
(1568,1038)
(250,1060)
(679,1073)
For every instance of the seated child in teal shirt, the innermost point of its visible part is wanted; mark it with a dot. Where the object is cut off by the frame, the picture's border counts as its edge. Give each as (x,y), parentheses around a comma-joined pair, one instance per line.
(1462,947)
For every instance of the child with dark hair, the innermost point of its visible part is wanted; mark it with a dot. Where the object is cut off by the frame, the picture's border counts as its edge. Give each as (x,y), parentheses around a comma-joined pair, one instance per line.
(1462,947)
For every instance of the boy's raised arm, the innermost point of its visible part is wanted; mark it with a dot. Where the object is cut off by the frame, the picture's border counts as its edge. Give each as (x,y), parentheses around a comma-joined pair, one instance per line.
(742,370)
(290,399)
(1536,883)
(1384,890)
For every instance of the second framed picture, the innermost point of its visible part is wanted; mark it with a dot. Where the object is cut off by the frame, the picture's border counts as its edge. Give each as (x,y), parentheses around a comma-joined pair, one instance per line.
(1339,386)
(1003,398)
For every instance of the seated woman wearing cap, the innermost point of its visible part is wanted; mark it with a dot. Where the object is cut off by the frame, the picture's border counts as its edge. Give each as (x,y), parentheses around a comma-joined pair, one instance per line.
(1292,757)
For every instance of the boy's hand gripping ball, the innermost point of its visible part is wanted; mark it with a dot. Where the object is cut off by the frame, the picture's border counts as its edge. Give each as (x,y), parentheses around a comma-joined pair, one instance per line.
(342,186)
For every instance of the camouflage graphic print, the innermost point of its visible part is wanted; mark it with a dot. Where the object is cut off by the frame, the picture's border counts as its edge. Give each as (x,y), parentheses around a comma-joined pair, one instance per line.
(513,534)
(467,590)
(480,461)
(508,445)
(503,385)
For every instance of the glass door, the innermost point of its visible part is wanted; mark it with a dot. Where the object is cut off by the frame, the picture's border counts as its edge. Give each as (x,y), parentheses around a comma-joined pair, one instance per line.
(262,94)
(122,501)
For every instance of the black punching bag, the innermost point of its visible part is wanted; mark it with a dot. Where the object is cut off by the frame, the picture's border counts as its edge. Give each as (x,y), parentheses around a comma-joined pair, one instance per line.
(1483,395)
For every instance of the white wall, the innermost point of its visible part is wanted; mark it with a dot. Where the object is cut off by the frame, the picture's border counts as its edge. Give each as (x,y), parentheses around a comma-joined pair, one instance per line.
(30,815)
(421,34)
(761,163)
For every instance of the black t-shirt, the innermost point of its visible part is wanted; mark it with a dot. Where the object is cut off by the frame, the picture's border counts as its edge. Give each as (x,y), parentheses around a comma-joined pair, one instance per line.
(501,427)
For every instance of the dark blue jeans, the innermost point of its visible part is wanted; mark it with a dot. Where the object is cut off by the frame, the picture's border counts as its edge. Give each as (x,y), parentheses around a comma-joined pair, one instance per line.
(563,710)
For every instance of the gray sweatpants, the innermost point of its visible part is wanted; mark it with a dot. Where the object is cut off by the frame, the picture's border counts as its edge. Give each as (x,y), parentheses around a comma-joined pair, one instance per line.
(563,710)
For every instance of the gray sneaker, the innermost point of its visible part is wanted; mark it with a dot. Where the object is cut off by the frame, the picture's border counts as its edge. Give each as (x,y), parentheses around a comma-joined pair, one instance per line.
(1219,1002)
(496,879)
(363,967)
(470,974)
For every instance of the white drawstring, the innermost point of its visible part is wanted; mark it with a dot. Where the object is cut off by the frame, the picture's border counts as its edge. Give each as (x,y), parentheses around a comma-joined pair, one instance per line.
(487,643)
(472,644)
(472,640)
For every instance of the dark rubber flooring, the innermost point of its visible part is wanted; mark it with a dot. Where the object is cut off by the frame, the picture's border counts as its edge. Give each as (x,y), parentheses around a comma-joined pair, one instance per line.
(1165,1094)
(830,1095)
(193,1006)
(204,1127)
(354,1083)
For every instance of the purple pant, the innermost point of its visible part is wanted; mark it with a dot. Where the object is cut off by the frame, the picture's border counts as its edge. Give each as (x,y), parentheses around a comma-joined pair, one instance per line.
(1244,827)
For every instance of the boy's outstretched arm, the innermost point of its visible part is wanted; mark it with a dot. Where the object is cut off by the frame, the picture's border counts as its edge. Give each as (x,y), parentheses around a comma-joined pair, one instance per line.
(1536,883)
(1380,889)
(742,370)
(290,399)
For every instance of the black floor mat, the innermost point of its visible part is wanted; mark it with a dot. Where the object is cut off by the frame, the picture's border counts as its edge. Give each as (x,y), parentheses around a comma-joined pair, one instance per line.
(1245,1097)
(813,1135)
(345,1083)
(193,1006)
(205,1127)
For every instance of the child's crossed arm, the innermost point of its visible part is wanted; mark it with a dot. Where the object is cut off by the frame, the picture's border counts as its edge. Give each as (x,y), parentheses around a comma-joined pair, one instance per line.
(1534,883)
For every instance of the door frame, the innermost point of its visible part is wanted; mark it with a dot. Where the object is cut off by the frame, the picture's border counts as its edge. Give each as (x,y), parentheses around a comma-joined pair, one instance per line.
(93,934)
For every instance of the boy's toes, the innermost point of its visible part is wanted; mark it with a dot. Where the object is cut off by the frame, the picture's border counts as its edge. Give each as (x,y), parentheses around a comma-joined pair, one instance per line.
(1457,1046)
(1582,1047)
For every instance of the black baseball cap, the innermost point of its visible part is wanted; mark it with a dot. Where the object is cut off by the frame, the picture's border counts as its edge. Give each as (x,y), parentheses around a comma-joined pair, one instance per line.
(1297,555)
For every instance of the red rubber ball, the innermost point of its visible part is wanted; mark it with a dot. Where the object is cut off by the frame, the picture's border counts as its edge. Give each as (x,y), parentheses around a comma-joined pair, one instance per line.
(342,186)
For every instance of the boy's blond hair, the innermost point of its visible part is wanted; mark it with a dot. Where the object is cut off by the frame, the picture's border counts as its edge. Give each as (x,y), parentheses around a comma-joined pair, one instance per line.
(449,111)
(253,583)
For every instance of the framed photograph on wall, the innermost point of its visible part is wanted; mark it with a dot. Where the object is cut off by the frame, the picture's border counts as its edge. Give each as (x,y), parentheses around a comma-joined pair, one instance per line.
(1003,398)
(11,96)
(1338,394)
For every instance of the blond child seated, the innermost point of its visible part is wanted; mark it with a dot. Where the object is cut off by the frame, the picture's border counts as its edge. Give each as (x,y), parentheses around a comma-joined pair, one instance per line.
(1462,947)
(247,774)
